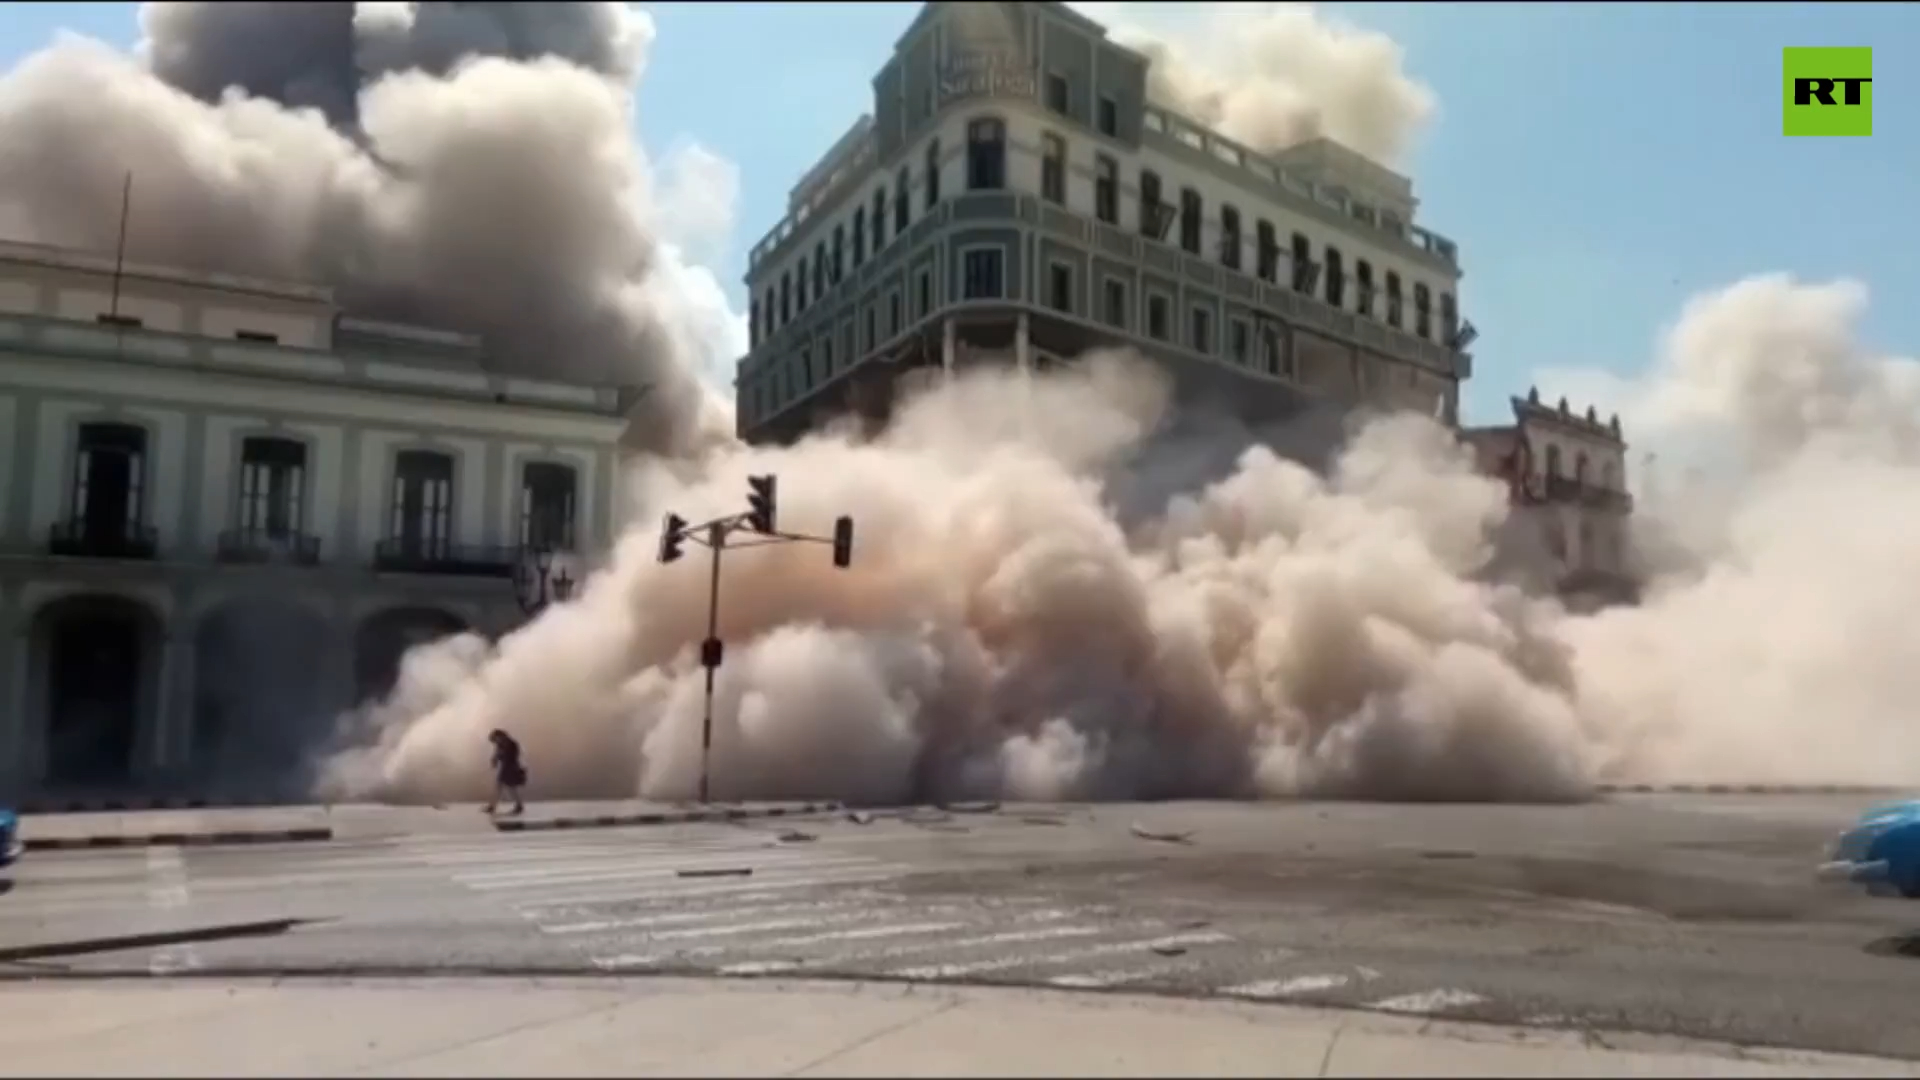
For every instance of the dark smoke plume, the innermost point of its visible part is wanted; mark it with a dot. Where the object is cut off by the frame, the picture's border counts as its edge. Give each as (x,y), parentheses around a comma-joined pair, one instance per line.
(469,166)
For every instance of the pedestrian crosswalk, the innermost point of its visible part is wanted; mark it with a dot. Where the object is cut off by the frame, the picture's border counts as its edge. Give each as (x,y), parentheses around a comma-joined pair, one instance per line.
(725,901)
(741,906)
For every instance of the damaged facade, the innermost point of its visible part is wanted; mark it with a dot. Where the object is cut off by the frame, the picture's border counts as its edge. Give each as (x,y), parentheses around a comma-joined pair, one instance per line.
(1014,196)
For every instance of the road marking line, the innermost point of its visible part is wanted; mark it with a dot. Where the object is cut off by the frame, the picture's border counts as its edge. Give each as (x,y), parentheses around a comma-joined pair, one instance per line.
(865,933)
(759,967)
(676,917)
(626,870)
(737,929)
(1428,1001)
(1102,980)
(627,961)
(168,893)
(1279,988)
(955,971)
(700,892)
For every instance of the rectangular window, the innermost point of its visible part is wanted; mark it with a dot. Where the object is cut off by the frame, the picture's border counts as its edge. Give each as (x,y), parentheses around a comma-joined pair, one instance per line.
(1157,328)
(893,315)
(806,369)
(1230,237)
(1057,98)
(547,494)
(1449,318)
(901,210)
(872,329)
(1422,311)
(1363,286)
(924,287)
(1113,306)
(838,266)
(273,476)
(1151,223)
(422,521)
(1190,210)
(1106,190)
(1336,278)
(879,220)
(982,271)
(1393,299)
(826,358)
(1060,287)
(1053,168)
(1240,341)
(1270,349)
(933,173)
(859,236)
(1306,274)
(1201,333)
(1109,118)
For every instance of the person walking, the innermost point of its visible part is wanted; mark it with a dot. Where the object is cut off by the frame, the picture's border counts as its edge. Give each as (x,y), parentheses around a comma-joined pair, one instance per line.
(509,772)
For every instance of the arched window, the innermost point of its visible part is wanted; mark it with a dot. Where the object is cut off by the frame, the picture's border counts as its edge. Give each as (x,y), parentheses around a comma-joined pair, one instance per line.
(879,219)
(986,155)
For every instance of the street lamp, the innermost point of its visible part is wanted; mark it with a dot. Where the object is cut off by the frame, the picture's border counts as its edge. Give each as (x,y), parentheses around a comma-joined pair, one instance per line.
(535,585)
(760,518)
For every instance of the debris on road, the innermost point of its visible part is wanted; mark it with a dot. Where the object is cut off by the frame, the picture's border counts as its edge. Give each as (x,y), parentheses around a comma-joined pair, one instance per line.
(859,817)
(1169,950)
(729,871)
(1145,833)
(795,836)
(969,808)
(1035,819)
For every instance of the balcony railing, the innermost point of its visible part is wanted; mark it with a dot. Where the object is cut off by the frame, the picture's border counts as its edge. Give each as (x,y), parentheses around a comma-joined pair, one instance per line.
(404,556)
(262,546)
(88,540)
(1567,489)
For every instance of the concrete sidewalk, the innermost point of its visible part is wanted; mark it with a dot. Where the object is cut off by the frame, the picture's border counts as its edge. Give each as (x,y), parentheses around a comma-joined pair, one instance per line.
(670,1027)
(294,824)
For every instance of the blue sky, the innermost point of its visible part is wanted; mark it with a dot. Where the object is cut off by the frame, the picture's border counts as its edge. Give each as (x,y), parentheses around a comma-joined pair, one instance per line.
(1598,164)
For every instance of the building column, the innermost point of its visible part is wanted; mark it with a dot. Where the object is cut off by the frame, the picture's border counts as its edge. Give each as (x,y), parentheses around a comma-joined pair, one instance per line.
(1023,344)
(172,740)
(949,342)
(16,646)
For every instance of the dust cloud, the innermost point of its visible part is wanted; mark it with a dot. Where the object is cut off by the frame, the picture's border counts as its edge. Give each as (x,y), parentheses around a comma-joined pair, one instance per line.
(469,166)
(1272,75)
(1277,632)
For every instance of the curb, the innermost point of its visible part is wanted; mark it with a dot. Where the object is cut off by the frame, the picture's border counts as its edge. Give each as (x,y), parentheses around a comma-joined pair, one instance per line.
(663,817)
(139,805)
(1746,789)
(178,839)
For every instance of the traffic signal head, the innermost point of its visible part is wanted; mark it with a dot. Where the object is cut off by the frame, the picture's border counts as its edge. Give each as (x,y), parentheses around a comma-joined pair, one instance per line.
(761,506)
(843,542)
(673,533)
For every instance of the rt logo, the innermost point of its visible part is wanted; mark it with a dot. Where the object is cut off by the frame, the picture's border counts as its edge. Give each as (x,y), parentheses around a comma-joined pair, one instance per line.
(1827,92)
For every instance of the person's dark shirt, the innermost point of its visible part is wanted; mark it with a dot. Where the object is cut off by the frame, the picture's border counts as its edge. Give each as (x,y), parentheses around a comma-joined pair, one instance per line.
(506,753)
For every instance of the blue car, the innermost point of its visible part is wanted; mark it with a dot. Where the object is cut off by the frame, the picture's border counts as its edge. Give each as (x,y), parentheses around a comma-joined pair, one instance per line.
(10,843)
(1881,852)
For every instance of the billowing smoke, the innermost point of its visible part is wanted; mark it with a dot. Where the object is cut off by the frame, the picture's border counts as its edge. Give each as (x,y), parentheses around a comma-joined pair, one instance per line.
(1272,75)
(1274,633)
(999,634)
(462,165)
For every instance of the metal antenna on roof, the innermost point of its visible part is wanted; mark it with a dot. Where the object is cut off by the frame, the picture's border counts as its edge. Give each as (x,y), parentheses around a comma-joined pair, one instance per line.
(120,251)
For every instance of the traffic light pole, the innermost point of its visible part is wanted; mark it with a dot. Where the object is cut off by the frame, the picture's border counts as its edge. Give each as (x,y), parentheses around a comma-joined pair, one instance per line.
(710,649)
(714,534)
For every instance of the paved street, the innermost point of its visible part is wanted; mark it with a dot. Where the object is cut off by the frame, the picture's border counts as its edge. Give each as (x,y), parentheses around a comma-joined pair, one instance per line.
(1685,916)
